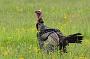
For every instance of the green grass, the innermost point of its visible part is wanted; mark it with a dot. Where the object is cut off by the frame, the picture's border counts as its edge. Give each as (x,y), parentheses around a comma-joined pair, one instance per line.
(18,33)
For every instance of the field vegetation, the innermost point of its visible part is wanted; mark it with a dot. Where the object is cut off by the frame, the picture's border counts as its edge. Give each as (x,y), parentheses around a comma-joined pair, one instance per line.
(18,32)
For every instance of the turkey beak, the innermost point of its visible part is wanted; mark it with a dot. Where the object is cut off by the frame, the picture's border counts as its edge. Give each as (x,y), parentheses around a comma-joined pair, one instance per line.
(35,11)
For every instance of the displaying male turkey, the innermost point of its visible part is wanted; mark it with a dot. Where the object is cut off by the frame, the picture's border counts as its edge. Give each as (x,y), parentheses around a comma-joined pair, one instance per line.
(51,39)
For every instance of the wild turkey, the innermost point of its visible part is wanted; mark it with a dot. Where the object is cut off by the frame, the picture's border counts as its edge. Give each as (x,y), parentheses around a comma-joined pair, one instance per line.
(50,39)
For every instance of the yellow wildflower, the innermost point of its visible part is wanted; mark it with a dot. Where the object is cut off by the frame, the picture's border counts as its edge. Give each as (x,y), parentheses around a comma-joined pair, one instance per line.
(82,57)
(21,57)
(5,53)
(65,17)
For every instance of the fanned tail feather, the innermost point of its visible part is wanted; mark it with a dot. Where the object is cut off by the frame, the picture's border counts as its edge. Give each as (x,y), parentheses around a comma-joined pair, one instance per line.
(74,38)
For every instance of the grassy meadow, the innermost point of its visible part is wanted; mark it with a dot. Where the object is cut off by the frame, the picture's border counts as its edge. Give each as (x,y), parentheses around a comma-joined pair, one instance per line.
(18,33)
